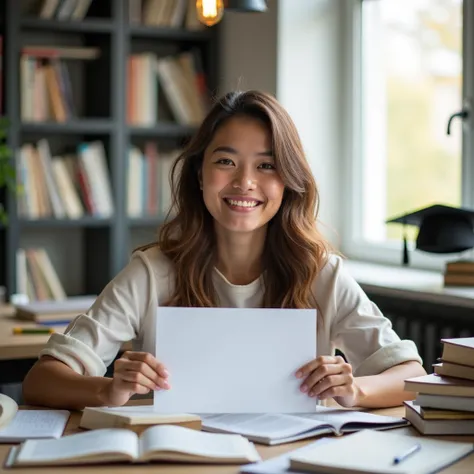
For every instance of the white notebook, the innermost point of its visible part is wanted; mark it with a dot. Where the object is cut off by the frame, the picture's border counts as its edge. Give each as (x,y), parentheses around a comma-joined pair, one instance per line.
(374,452)
(35,424)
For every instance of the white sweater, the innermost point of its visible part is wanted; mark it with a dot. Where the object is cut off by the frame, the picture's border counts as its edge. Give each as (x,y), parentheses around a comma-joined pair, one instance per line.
(126,310)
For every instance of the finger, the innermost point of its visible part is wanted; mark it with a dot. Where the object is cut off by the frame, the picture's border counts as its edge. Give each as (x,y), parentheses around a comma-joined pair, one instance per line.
(319,374)
(147,358)
(328,382)
(136,378)
(143,368)
(315,363)
(131,387)
(339,391)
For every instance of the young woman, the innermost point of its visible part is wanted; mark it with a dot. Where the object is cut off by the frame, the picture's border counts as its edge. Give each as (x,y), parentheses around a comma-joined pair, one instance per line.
(244,235)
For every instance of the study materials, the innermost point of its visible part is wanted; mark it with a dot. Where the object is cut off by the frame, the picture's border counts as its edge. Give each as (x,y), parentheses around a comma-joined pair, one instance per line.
(8,409)
(280,464)
(438,385)
(234,360)
(436,414)
(274,429)
(34,424)
(20,330)
(407,453)
(459,350)
(448,369)
(135,418)
(43,311)
(373,452)
(165,443)
(437,426)
(445,402)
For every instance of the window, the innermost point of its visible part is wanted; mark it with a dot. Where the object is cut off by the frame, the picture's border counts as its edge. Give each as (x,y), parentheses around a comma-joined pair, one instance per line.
(411,72)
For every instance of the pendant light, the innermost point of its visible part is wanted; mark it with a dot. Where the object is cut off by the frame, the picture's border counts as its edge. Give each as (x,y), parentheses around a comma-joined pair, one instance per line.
(210,12)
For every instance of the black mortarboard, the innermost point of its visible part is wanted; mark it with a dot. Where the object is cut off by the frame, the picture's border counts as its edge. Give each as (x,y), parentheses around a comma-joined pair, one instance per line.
(443,229)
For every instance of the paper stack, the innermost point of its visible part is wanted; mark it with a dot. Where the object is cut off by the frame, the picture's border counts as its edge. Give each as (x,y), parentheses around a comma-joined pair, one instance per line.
(445,399)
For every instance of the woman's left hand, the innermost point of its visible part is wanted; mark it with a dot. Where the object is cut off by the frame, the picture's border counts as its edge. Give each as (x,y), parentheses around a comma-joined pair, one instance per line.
(329,376)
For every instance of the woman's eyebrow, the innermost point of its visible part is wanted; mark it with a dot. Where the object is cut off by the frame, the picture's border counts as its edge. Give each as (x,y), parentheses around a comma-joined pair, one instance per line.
(229,149)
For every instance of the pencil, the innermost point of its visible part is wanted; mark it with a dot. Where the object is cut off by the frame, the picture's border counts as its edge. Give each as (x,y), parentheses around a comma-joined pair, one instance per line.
(33,330)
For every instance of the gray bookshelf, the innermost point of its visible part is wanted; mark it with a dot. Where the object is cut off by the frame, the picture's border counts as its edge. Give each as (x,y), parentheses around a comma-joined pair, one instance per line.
(105,243)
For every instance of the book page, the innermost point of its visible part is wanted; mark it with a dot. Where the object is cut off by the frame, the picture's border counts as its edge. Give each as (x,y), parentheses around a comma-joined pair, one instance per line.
(80,445)
(339,418)
(35,424)
(198,443)
(265,425)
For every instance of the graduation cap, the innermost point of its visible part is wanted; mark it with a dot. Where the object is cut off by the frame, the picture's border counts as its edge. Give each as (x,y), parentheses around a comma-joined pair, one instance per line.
(443,229)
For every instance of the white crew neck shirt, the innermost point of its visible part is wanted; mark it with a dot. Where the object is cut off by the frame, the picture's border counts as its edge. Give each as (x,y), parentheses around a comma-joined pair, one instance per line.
(126,310)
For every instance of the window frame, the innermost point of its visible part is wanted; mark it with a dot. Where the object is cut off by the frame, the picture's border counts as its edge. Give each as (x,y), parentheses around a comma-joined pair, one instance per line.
(352,243)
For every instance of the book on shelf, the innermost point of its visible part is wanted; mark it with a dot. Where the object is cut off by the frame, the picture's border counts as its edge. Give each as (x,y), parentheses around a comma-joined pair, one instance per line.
(112,445)
(63,310)
(445,402)
(61,10)
(437,426)
(135,418)
(272,429)
(373,452)
(437,385)
(448,369)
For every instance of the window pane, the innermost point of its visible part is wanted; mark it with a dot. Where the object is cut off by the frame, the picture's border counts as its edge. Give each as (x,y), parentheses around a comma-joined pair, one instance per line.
(412,83)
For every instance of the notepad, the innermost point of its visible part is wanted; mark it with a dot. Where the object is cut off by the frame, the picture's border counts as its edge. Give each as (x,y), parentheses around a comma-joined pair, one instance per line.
(373,452)
(35,424)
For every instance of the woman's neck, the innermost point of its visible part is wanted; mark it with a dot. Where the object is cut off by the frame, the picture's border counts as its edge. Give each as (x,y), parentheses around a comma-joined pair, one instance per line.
(239,255)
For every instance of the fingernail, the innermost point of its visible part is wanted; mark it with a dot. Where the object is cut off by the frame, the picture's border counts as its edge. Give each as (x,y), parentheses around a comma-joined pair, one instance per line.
(166,373)
(157,387)
(304,388)
(299,374)
(167,385)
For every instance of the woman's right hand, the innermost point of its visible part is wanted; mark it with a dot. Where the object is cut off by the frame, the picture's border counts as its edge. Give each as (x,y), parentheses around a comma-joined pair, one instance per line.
(135,372)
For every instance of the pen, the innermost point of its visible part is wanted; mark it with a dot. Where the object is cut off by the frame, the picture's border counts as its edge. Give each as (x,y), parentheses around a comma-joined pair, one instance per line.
(409,452)
(56,322)
(33,331)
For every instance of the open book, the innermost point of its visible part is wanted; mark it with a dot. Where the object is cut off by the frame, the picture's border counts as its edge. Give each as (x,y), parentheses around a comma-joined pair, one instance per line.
(274,429)
(110,445)
(373,452)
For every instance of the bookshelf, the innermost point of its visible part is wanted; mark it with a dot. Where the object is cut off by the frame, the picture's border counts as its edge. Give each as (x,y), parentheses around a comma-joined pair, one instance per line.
(90,250)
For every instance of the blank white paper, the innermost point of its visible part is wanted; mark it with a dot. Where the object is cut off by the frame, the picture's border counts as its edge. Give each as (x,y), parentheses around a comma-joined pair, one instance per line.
(234,360)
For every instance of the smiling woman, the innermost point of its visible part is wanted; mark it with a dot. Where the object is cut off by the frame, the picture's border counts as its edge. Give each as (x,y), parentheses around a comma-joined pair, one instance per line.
(243,234)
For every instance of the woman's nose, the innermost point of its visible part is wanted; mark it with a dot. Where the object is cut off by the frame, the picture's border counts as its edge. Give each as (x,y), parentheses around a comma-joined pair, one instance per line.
(244,182)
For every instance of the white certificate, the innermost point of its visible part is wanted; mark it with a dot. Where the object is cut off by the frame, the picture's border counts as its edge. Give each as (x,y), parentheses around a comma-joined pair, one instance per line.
(233,360)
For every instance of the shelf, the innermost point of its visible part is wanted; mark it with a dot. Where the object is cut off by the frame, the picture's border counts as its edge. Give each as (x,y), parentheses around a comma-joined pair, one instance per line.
(171,34)
(89,126)
(87,26)
(145,221)
(69,223)
(162,130)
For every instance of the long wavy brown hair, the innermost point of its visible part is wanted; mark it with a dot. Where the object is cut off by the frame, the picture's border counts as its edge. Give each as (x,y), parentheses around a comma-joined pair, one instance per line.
(295,251)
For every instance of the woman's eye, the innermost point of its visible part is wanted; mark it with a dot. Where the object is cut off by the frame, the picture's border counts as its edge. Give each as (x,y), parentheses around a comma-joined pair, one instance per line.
(224,161)
(267,166)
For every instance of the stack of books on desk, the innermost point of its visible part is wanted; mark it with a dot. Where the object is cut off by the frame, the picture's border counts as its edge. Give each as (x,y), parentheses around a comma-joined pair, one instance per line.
(459,273)
(445,399)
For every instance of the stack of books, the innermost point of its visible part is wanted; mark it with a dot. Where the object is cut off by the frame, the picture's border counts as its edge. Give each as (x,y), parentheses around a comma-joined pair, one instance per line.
(445,399)
(459,273)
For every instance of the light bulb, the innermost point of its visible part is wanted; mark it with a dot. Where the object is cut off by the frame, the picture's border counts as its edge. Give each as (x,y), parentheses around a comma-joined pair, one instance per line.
(209,12)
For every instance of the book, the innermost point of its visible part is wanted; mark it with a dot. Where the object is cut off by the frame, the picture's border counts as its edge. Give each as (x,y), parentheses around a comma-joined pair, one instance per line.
(373,452)
(459,350)
(34,424)
(448,369)
(445,402)
(438,385)
(438,414)
(158,443)
(135,418)
(436,427)
(272,429)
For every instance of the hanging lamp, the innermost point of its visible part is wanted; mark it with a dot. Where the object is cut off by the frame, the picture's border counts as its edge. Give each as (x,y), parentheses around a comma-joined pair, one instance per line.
(210,12)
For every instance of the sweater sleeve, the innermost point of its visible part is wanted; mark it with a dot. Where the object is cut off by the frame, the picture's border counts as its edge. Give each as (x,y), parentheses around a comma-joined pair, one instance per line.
(361,331)
(93,339)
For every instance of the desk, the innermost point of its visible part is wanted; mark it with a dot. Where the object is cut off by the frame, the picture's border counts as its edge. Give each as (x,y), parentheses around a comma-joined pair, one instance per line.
(19,352)
(465,466)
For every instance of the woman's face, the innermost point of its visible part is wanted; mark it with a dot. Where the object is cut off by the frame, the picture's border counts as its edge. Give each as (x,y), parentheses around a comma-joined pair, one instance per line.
(241,187)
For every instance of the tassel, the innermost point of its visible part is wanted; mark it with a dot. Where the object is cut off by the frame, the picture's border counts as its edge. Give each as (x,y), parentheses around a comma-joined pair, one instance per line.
(406,260)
